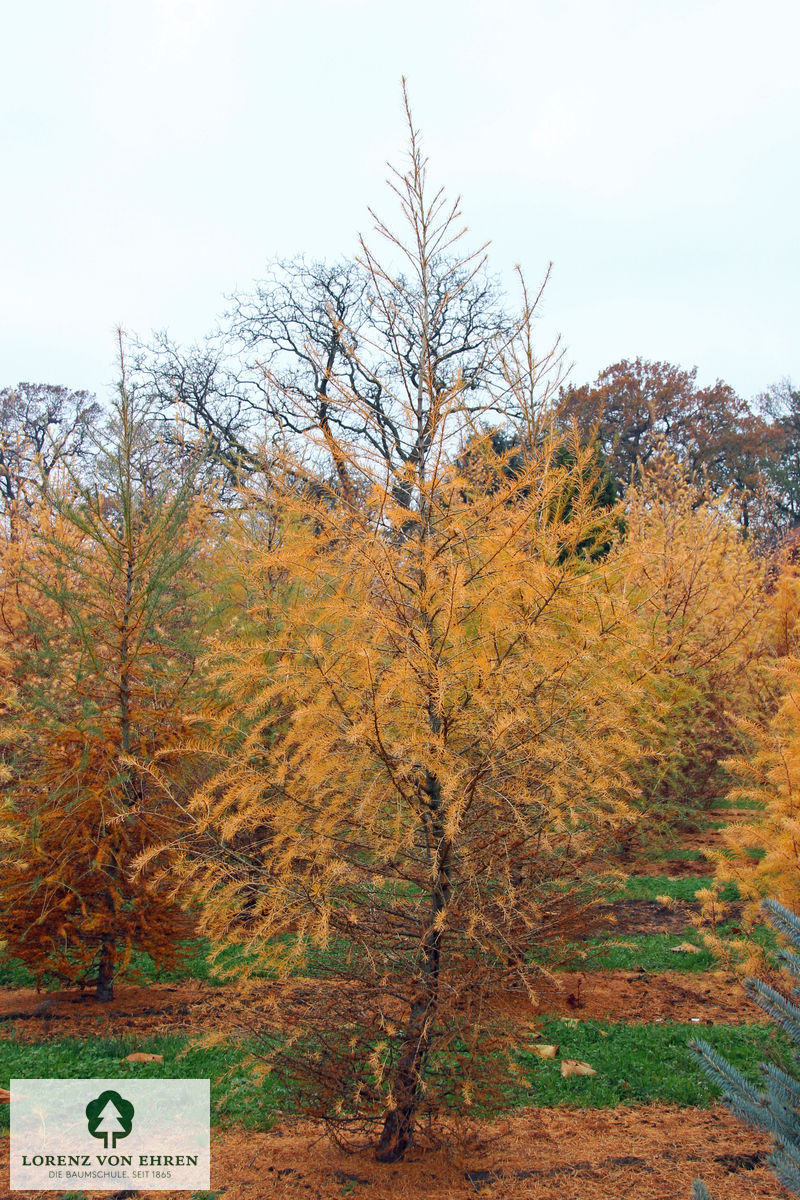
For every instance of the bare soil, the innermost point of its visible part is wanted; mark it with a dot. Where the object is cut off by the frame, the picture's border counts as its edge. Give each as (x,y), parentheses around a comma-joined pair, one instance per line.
(652,1152)
(705,996)
(676,868)
(650,916)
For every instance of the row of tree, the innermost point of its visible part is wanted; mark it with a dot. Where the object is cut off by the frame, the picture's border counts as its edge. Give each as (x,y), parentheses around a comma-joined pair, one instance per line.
(386,687)
(311,355)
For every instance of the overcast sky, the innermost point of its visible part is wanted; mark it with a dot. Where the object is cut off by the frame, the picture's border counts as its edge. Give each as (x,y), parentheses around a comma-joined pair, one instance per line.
(157,153)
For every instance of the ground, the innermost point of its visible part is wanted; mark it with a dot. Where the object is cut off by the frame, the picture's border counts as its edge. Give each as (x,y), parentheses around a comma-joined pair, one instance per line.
(629,1005)
(649,1152)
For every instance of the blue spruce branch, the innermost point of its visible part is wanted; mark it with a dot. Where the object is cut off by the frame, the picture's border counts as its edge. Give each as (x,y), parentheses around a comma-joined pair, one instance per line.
(777,1108)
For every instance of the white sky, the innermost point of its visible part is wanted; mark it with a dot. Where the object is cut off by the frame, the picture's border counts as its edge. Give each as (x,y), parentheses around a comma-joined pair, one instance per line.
(156,153)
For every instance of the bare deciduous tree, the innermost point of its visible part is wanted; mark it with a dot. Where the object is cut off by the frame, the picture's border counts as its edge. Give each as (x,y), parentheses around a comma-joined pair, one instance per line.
(41,426)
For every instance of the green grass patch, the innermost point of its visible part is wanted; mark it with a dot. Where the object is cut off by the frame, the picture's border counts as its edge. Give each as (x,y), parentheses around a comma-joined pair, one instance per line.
(677,853)
(657,951)
(14,973)
(238,1095)
(726,802)
(642,1064)
(681,854)
(647,951)
(196,962)
(650,887)
(635,1064)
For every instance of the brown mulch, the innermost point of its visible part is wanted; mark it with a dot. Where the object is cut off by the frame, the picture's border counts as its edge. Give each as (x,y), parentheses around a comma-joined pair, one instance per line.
(705,997)
(711,996)
(650,1152)
(676,868)
(650,916)
(185,1007)
(702,839)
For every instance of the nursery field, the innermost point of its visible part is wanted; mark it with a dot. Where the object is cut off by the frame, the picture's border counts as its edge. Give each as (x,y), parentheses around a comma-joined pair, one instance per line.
(411,678)
(644,1123)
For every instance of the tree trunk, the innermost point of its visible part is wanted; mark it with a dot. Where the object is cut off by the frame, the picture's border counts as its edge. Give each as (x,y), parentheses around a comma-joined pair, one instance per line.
(105,971)
(398,1123)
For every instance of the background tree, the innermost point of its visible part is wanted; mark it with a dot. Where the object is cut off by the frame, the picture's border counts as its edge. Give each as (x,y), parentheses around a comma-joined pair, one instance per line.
(698,590)
(102,678)
(201,385)
(637,410)
(781,404)
(313,354)
(41,426)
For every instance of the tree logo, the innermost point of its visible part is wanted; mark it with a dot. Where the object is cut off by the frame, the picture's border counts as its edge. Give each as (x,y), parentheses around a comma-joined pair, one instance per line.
(109,1116)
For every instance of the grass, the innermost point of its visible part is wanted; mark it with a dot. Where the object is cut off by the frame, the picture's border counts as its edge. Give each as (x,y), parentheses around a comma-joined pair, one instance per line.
(653,952)
(650,887)
(677,854)
(15,974)
(196,963)
(657,951)
(634,1064)
(643,951)
(681,854)
(641,1064)
(239,1097)
(726,802)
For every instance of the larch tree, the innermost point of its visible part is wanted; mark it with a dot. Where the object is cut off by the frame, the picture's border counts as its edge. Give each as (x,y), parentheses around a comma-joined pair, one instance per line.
(102,680)
(698,590)
(422,722)
(762,854)
(21,562)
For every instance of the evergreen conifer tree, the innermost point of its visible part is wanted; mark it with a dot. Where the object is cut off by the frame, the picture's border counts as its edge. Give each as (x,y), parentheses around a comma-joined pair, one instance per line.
(777,1108)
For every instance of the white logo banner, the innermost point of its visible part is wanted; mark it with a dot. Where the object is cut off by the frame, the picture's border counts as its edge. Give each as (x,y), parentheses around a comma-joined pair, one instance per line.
(110,1134)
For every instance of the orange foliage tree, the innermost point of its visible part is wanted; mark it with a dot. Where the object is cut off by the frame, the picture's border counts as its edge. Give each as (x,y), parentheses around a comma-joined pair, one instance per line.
(101,665)
(18,559)
(698,589)
(761,851)
(418,751)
